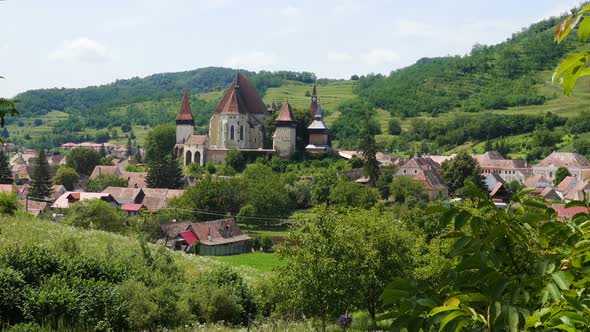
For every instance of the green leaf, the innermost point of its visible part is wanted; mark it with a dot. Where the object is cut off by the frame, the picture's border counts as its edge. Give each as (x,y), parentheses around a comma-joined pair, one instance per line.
(583,10)
(512,319)
(461,219)
(449,318)
(584,30)
(571,60)
(575,204)
(443,308)
(427,302)
(563,279)
(471,297)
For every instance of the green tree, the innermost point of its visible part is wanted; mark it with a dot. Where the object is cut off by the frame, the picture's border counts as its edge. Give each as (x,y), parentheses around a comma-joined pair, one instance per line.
(407,190)
(349,194)
(103,151)
(266,192)
(95,214)
(129,147)
(459,169)
(560,174)
(83,160)
(514,269)
(5,170)
(8,203)
(165,173)
(40,177)
(159,143)
(394,127)
(339,262)
(323,181)
(66,176)
(235,159)
(102,181)
(368,146)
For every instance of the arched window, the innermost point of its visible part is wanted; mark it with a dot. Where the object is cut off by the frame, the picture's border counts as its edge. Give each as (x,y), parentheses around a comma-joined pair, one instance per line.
(189,158)
(197,157)
(241,133)
(231,132)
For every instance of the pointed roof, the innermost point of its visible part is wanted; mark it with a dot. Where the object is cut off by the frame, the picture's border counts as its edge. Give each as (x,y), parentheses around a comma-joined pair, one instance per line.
(185,113)
(314,107)
(285,114)
(241,98)
(273,107)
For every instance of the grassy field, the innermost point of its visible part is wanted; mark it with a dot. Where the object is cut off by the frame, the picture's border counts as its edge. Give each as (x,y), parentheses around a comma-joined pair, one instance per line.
(329,95)
(24,230)
(260,261)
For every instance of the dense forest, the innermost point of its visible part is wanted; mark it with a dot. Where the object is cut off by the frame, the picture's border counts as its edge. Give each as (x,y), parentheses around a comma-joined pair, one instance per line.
(490,77)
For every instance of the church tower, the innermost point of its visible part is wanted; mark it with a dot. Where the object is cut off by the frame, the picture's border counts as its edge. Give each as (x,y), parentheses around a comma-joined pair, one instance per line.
(314,102)
(283,141)
(185,123)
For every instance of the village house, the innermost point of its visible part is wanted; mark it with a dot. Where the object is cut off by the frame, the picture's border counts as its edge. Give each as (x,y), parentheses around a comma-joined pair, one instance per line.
(433,184)
(132,209)
(213,238)
(509,170)
(538,181)
(68,198)
(157,198)
(577,165)
(417,165)
(427,171)
(104,170)
(125,195)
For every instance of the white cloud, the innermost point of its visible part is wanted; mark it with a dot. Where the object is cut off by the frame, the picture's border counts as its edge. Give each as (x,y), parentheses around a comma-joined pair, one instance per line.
(340,57)
(413,28)
(254,60)
(379,56)
(291,11)
(347,7)
(81,49)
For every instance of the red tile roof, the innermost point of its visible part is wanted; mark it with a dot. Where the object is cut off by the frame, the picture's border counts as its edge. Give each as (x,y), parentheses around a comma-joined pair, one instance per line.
(132,207)
(196,140)
(564,159)
(189,237)
(285,114)
(240,97)
(185,113)
(563,212)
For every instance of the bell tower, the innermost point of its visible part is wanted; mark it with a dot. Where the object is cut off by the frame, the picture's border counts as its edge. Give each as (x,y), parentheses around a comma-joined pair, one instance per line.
(185,123)
(283,141)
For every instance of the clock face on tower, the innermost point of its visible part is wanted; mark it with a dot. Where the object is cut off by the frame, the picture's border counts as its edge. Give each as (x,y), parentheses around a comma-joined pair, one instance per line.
(314,99)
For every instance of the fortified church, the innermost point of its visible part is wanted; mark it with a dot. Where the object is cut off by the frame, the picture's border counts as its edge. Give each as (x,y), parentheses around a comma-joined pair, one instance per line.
(239,122)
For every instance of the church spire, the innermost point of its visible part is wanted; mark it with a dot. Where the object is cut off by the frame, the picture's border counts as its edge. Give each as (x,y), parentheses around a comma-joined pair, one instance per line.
(314,101)
(238,78)
(185,115)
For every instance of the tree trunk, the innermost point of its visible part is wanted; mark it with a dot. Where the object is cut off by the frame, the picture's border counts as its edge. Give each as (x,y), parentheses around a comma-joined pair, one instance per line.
(371,310)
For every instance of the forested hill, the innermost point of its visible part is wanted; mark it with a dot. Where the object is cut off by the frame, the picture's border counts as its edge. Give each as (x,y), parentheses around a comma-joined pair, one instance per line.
(490,77)
(153,87)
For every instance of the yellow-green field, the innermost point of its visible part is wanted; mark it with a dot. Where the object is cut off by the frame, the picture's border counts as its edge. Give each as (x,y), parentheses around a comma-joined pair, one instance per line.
(329,95)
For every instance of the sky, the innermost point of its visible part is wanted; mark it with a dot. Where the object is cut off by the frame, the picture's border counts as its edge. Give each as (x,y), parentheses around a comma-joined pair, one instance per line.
(73,43)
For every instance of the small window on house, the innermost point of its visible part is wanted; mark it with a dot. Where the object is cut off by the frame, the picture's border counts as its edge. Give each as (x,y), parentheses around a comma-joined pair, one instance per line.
(415,171)
(241,133)
(404,171)
(231,133)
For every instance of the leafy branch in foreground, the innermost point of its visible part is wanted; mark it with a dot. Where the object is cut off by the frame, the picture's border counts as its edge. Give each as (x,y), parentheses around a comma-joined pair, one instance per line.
(516,269)
(574,66)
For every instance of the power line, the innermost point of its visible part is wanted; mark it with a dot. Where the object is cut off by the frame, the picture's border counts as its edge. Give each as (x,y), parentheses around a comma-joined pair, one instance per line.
(219,214)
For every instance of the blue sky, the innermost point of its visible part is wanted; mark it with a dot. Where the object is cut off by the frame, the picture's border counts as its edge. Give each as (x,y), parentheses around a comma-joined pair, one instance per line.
(73,43)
